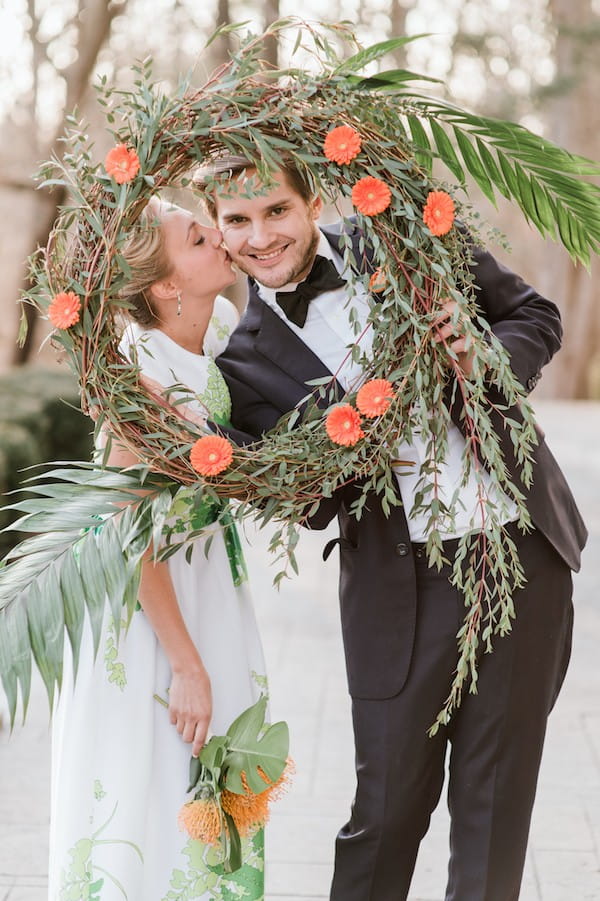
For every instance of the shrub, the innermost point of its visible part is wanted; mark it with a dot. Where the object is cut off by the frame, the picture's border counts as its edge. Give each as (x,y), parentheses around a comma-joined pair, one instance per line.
(40,421)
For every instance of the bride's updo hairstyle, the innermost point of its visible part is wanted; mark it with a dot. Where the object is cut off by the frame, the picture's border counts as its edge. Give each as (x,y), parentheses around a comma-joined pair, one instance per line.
(145,253)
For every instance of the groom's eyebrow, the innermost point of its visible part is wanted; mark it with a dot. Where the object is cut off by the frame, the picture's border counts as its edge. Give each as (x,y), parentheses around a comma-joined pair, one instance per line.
(284,201)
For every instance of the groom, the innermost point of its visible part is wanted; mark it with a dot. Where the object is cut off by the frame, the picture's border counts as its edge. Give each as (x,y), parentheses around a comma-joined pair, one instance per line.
(399,617)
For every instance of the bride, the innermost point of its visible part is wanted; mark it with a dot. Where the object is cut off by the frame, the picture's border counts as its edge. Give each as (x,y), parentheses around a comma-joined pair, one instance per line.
(120,758)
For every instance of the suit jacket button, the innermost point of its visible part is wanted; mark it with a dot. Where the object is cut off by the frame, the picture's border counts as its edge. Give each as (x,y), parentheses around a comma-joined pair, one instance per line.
(402,549)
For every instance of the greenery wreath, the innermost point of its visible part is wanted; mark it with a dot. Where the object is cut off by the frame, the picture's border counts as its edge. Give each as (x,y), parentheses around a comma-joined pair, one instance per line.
(371,140)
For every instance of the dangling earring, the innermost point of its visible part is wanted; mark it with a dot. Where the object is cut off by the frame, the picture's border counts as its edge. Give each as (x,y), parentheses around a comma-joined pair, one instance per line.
(179,303)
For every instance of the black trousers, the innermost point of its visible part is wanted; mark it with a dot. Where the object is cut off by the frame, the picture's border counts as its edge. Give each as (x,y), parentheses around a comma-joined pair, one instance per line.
(495,738)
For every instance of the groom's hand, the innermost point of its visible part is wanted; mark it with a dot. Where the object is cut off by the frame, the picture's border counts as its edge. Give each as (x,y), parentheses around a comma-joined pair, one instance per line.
(448,330)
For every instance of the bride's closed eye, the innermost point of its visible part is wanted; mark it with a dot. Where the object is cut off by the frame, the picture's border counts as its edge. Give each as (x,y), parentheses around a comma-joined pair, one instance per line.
(200,240)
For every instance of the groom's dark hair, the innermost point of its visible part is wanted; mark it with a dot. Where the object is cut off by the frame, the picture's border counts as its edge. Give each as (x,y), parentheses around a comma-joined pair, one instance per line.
(230,166)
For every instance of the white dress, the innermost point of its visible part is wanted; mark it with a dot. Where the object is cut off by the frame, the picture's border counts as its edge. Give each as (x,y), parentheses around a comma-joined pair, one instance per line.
(119,768)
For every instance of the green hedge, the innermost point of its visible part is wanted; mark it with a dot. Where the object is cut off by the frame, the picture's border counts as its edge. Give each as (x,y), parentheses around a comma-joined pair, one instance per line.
(40,421)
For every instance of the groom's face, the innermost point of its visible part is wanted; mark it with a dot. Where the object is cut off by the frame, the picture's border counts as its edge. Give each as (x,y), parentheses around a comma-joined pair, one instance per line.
(272,237)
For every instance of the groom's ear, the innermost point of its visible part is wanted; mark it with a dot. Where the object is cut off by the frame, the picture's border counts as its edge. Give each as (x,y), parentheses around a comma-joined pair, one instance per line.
(316,206)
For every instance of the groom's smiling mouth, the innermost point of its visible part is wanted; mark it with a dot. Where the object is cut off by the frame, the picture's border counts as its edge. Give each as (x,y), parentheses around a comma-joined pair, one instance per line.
(271,257)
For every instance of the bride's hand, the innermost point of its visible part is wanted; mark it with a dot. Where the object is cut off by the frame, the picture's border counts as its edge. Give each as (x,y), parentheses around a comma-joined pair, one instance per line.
(190,706)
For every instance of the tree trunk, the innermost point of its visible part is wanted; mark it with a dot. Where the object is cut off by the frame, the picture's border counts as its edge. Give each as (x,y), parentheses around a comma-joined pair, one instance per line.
(573,114)
(271,15)
(94,27)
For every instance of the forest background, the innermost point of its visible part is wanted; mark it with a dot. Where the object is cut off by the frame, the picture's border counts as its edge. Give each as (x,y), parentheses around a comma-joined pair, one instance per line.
(537,63)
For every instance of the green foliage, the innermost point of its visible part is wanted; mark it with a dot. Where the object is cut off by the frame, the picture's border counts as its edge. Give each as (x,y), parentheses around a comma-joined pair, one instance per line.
(249,108)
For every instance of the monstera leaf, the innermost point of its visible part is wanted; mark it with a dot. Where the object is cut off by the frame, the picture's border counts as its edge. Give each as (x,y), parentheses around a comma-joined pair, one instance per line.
(253,745)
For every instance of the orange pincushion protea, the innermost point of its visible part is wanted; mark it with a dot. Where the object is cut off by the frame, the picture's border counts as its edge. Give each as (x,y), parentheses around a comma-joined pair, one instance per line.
(378,281)
(122,163)
(201,819)
(342,144)
(438,213)
(63,312)
(371,196)
(343,425)
(211,454)
(250,811)
(374,397)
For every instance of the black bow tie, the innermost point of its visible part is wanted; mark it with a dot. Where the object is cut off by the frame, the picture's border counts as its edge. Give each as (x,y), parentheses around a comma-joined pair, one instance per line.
(322,277)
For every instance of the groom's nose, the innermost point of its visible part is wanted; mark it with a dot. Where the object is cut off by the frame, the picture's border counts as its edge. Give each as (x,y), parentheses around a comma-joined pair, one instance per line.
(260,235)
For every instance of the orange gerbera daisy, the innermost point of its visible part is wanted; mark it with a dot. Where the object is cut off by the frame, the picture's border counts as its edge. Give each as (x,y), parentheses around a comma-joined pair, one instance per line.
(438,213)
(342,144)
(211,454)
(201,819)
(378,281)
(63,312)
(343,425)
(122,163)
(374,397)
(371,196)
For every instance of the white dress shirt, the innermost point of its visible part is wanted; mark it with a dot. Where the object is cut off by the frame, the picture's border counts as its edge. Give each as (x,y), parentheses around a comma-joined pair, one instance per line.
(329,334)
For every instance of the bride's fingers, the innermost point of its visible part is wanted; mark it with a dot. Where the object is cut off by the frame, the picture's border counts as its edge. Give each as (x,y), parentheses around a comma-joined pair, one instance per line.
(189,730)
(200,737)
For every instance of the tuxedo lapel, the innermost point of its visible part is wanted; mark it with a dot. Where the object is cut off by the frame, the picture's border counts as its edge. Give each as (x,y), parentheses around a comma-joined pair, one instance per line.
(361,251)
(279,344)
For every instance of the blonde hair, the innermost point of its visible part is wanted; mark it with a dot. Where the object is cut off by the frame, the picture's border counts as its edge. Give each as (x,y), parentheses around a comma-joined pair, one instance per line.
(145,253)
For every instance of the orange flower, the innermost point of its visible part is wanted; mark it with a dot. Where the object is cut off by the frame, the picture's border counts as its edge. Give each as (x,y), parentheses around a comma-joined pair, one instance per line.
(250,811)
(211,454)
(371,196)
(201,819)
(378,281)
(122,163)
(374,397)
(438,213)
(63,312)
(343,425)
(342,144)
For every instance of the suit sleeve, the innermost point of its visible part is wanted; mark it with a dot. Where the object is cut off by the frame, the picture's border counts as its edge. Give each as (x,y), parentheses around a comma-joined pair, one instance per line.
(527,324)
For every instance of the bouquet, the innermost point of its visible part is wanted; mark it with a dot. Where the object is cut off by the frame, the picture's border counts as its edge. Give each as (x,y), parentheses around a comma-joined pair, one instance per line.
(234,780)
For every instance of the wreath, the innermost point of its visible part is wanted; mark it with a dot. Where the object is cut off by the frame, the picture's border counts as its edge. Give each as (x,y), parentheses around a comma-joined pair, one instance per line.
(369,142)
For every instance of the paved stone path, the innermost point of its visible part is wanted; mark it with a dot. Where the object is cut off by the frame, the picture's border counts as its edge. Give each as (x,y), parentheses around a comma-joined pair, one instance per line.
(300,627)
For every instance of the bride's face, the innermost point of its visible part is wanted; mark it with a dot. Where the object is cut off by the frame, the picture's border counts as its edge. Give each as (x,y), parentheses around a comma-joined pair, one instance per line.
(201,266)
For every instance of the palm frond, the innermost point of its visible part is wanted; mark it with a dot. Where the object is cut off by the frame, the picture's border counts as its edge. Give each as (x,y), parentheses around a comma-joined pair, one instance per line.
(94,526)
(550,185)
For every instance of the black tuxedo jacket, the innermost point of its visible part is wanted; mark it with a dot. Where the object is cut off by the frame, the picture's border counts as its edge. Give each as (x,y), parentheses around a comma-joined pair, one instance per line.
(267,368)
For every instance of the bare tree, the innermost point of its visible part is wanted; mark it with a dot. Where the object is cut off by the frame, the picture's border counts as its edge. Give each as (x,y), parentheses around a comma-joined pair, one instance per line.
(574,121)
(271,14)
(93,21)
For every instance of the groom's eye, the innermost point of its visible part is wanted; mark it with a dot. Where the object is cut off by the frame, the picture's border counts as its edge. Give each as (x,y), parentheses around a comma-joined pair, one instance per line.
(278,210)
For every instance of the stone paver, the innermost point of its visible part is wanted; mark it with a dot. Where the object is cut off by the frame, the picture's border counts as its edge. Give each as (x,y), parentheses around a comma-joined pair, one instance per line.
(300,626)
